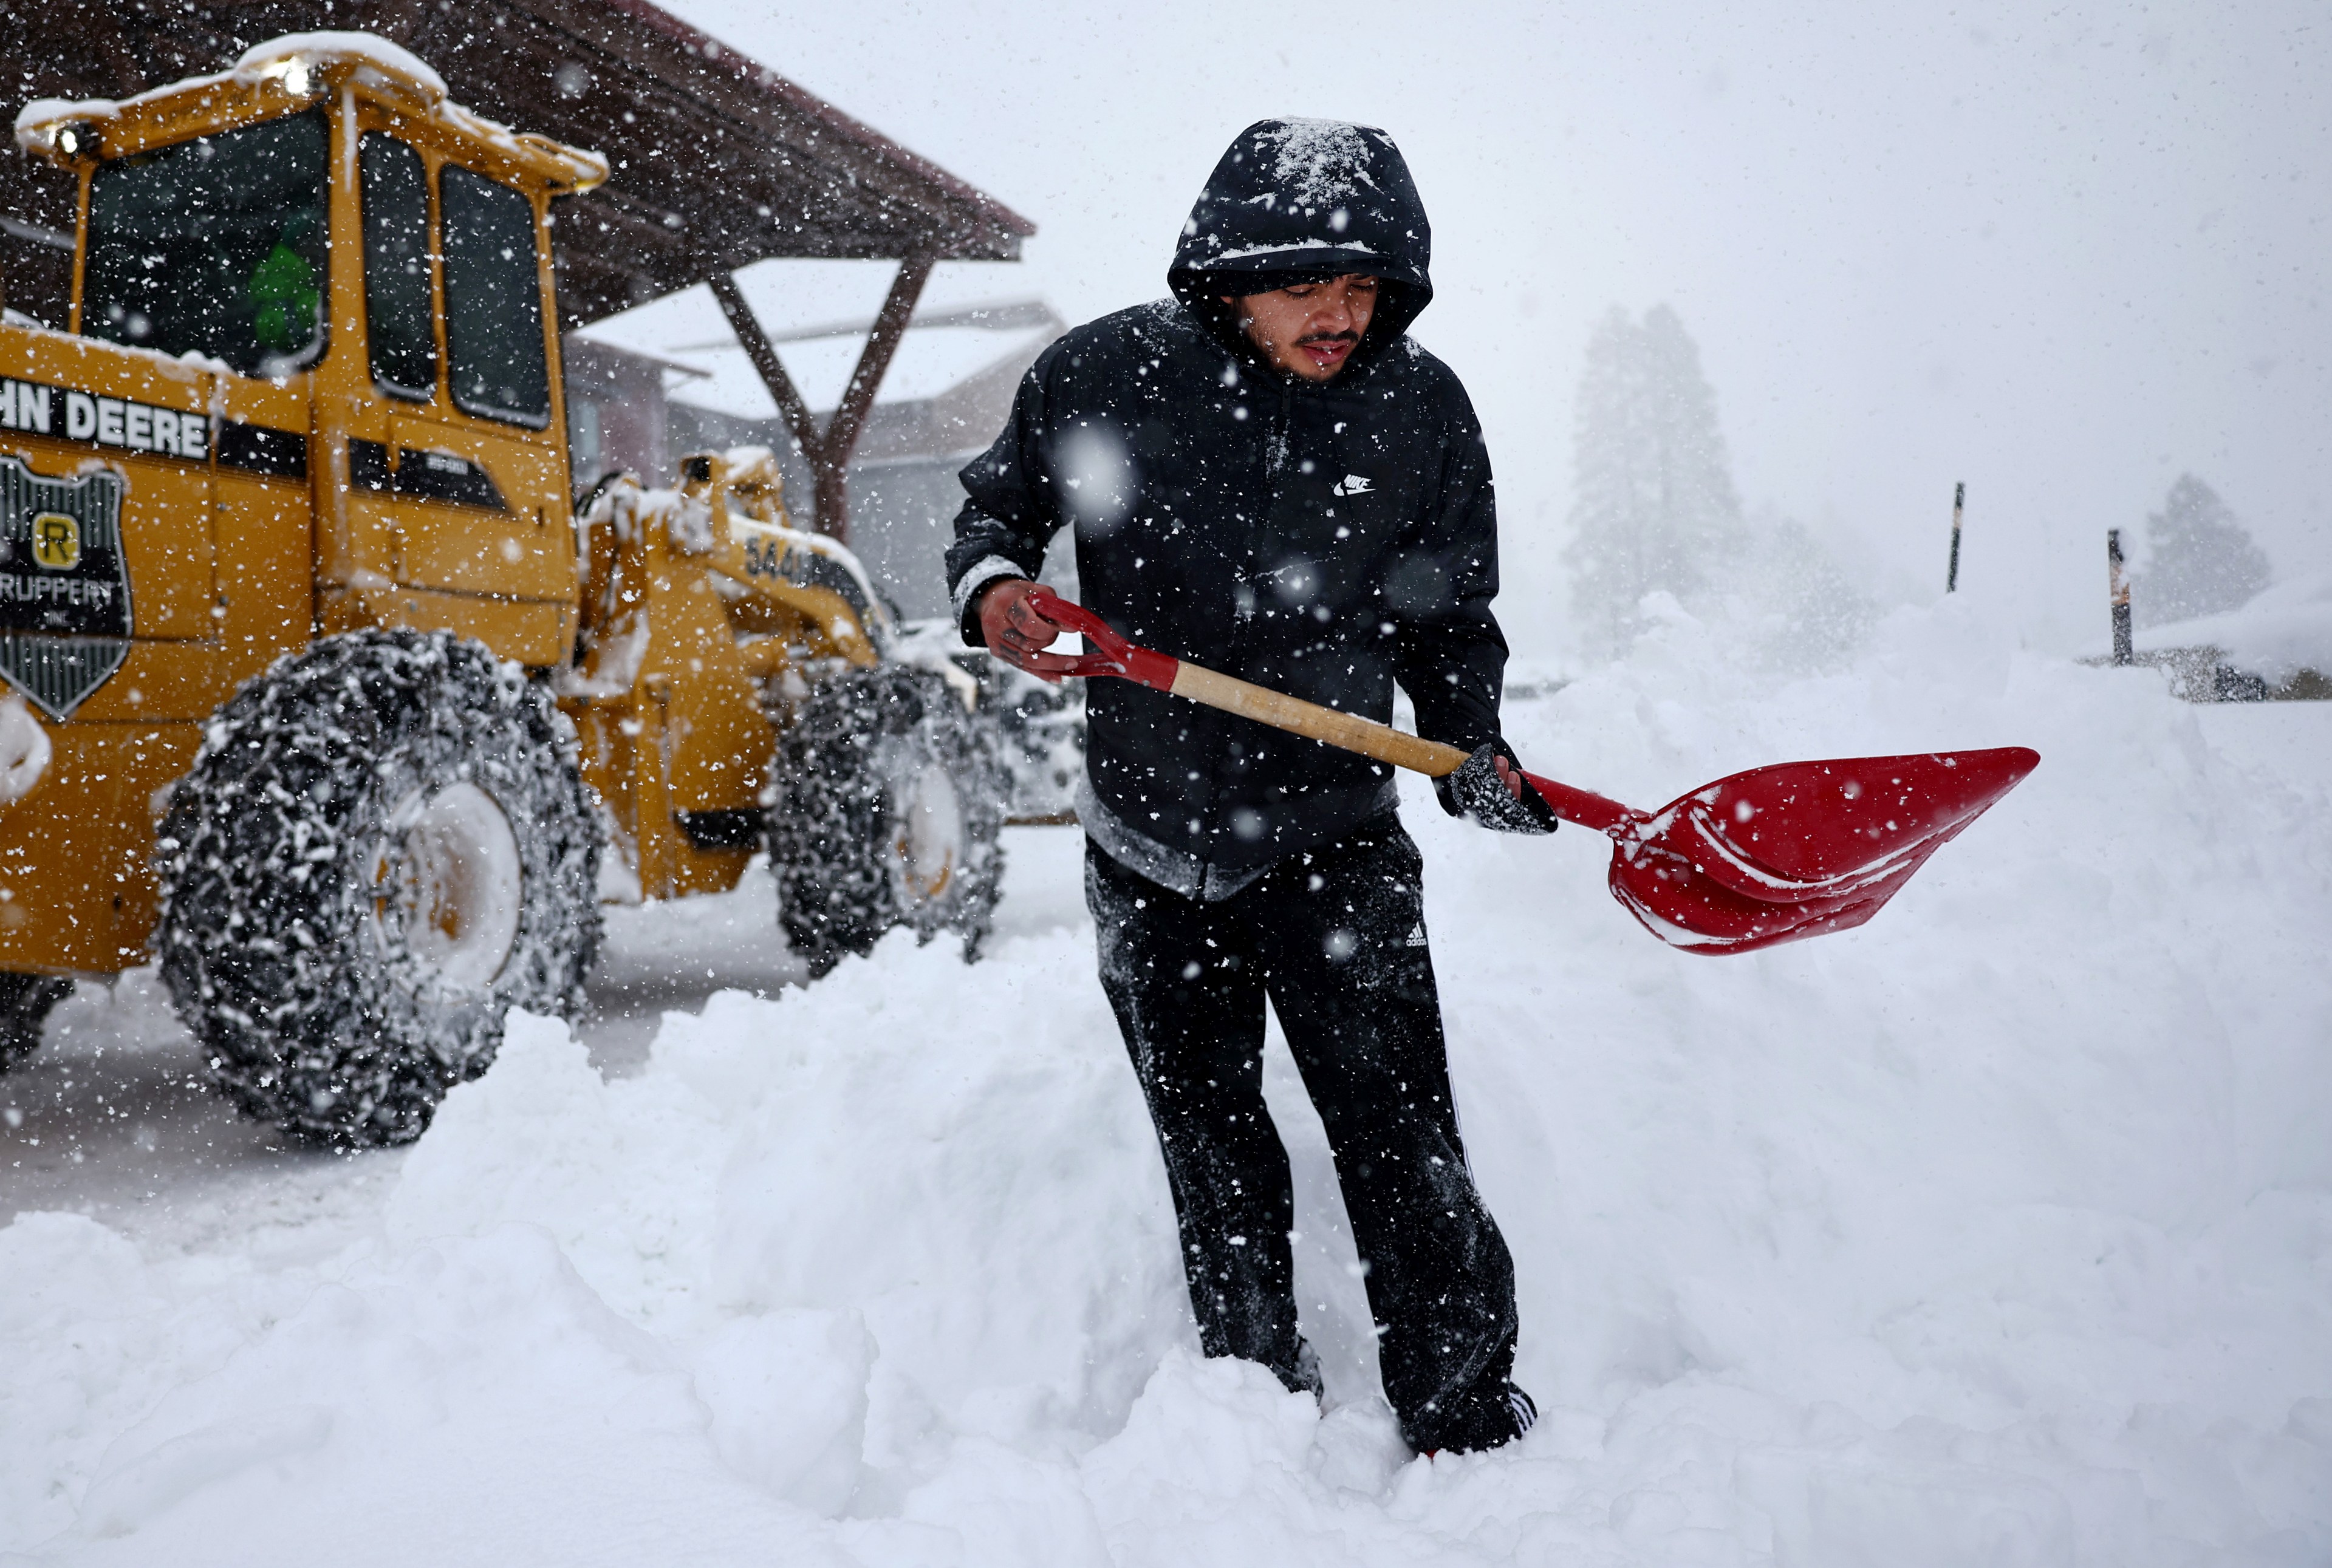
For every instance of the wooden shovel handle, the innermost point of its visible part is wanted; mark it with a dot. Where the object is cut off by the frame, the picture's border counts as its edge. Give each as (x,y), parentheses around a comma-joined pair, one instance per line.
(1347,731)
(1413,752)
(1111,654)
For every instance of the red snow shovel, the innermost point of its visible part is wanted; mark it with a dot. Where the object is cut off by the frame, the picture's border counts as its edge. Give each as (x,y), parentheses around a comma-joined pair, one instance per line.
(1763,857)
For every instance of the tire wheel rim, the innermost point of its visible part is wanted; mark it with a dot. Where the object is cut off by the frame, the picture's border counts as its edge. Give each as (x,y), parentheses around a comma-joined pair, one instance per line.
(926,829)
(447,888)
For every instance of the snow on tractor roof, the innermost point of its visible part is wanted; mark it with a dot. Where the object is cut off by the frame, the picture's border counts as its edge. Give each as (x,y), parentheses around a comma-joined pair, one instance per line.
(303,65)
(295,58)
(295,49)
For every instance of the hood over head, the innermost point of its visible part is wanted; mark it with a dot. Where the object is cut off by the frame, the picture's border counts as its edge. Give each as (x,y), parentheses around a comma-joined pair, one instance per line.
(1301,200)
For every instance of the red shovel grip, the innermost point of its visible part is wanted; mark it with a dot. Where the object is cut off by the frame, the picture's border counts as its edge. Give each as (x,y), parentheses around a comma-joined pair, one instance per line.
(1106,652)
(1588,809)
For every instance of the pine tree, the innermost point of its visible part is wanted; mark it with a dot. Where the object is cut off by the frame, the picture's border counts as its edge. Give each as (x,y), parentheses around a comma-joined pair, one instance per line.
(1654,506)
(2200,559)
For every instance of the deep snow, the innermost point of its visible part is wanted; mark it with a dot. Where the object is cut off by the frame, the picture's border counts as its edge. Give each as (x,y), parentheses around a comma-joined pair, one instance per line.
(1997,1233)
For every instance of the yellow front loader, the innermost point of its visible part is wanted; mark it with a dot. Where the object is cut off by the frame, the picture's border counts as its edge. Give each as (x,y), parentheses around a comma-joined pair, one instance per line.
(319,688)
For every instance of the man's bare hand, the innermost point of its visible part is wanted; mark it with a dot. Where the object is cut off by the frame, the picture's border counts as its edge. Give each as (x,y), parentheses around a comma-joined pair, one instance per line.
(1510,776)
(1017,633)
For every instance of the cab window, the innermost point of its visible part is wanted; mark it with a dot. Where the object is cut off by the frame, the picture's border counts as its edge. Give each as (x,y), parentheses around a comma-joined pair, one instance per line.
(215,246)
(494,344)
(399,324)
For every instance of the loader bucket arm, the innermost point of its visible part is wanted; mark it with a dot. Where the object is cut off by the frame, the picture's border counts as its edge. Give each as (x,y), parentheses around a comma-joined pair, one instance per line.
(801,572)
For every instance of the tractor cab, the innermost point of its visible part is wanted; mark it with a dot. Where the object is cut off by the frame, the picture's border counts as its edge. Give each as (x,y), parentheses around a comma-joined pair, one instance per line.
(215,247)
(322,219)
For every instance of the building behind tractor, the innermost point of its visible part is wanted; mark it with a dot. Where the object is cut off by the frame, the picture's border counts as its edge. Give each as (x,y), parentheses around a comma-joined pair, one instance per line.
(322,691)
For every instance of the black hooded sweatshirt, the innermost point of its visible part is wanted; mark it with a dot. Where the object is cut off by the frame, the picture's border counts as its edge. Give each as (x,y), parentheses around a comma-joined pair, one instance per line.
(1323,539)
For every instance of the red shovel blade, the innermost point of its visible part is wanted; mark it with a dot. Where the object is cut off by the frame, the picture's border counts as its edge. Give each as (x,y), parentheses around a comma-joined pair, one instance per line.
(1798,848)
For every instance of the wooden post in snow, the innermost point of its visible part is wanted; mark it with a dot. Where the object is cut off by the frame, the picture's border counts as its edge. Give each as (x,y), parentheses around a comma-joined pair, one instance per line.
(1959,499)
(2117,582)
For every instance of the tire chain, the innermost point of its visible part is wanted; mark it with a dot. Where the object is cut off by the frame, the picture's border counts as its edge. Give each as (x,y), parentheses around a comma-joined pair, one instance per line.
(828,826)
(265,935)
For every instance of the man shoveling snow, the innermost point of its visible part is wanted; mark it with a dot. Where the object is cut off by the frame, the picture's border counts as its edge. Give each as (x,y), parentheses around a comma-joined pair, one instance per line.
(1267,474)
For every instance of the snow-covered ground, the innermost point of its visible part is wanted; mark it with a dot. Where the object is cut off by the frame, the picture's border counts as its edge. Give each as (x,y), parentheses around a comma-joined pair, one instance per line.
(1997,1232)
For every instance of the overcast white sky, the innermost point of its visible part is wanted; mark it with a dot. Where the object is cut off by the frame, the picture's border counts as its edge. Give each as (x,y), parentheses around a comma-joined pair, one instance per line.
(2063,255)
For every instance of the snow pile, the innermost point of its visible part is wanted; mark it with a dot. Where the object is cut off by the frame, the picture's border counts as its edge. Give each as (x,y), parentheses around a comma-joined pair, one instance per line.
(2286,629)
(1998,1231)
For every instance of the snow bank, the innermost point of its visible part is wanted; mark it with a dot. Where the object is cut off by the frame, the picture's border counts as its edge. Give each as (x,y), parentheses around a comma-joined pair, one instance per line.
(2286,629)
(1997,1231)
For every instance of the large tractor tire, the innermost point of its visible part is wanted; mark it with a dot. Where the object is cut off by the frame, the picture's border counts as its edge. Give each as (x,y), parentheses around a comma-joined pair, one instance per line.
(888,802)
(383,847)
(25,1002)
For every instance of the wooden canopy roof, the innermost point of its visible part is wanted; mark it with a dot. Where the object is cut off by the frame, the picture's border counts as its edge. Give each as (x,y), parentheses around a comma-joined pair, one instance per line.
(717,162)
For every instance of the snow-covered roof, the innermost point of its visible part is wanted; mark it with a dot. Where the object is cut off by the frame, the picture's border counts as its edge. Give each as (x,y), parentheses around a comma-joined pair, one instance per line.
(809,311)
(927,363)
(2288,627)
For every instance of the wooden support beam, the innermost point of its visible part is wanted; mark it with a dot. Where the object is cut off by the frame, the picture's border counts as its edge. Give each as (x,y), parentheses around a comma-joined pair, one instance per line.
(771,369)
(882,343)
(828,452)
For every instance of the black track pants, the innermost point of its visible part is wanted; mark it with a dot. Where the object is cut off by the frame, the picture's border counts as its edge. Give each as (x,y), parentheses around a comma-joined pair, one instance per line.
(1335,938)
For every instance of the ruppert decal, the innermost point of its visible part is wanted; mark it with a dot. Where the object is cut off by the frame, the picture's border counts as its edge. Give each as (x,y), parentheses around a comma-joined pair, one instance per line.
(64,588)
(115,421)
